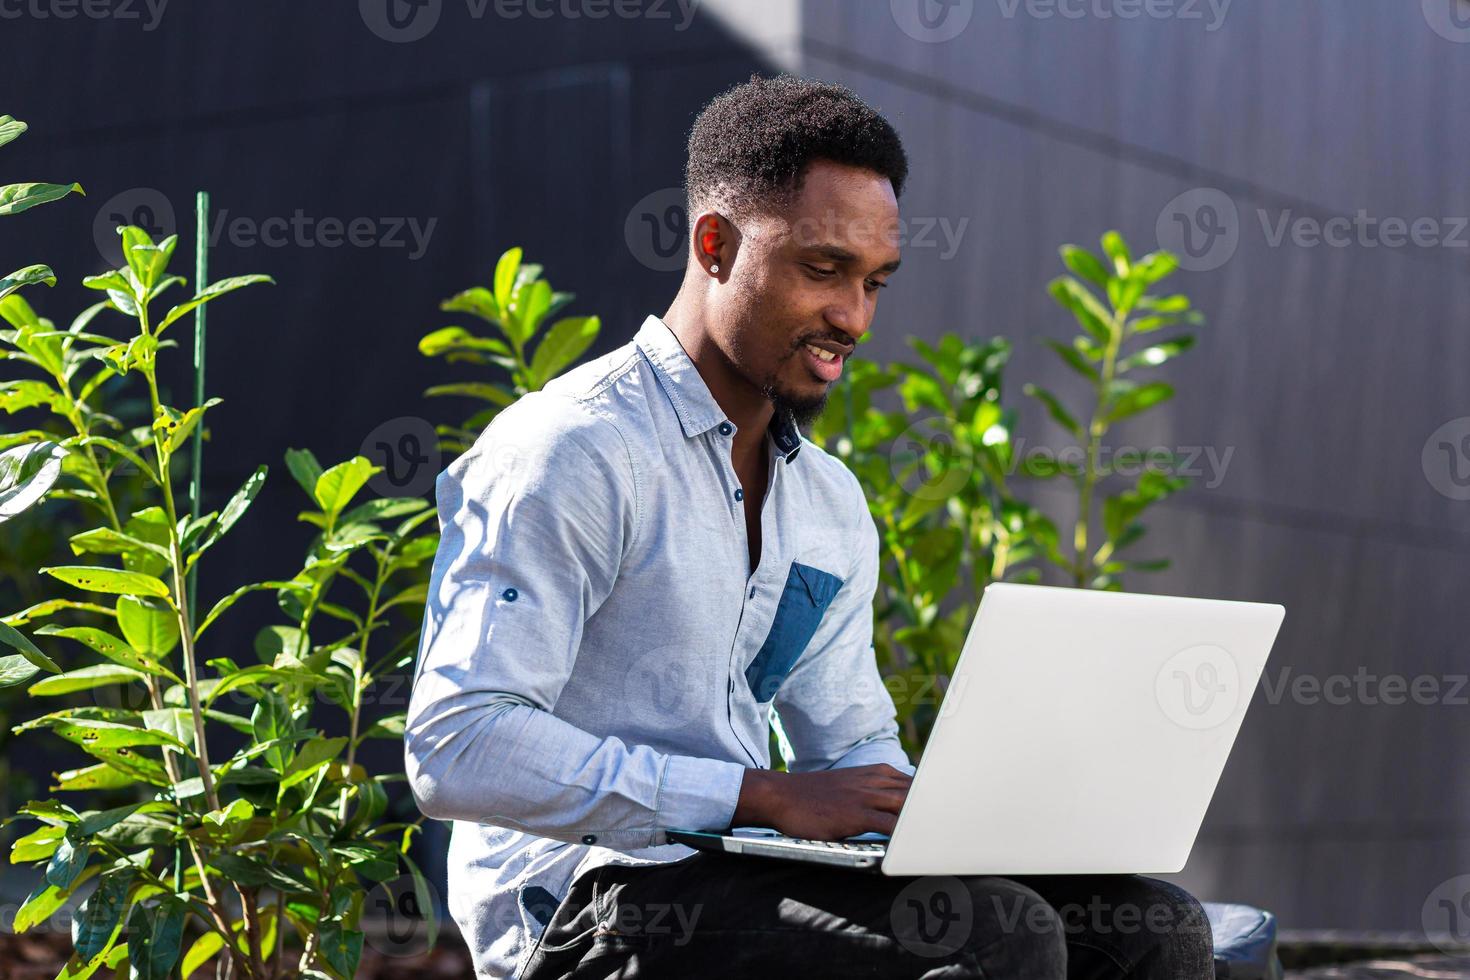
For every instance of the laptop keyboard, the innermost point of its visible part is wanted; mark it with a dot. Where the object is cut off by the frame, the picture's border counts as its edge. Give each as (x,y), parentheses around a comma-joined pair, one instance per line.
(855,847)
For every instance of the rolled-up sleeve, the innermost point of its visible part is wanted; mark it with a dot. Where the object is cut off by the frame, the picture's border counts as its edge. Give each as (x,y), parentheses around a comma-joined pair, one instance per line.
(833,708)
(535,521)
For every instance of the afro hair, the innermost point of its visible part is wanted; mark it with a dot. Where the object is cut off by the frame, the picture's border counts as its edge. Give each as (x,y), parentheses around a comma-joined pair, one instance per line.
(750,147)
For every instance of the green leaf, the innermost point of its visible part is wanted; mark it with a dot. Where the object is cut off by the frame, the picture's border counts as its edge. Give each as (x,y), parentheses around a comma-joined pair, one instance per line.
(45,900)
(447,339)
(148,628)
(28,276)
(111,735)
(303,465)
(97,920)
(1157,354)
(1074,359)
(270,721)
(337,486)
(505,276)
(1155,266)
(233,597)
(110,647)
(312,755)
(1085,264)
(493,393)
(176,426)
(12,637)
(26,473)
(1138,399)
(234,509)
(109,580)
(15,198)
(10,128)
(38,845)
(341,947)
(99,776)
(15,669)
(209,293)
(1117,250)
(1084,307)
(564,343)
(68,861)
(106,541)
(1055,409)
(85,679)
(154,940)
(204,948)
(534,300)
(477,300)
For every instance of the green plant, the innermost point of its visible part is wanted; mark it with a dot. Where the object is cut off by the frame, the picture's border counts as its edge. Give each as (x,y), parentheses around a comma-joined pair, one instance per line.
(518,302)
(23,472)
(287,821)
(938,469)
(935,473)
(1106,354)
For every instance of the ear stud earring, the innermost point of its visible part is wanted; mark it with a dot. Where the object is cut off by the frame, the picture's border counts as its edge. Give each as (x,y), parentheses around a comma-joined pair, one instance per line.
(714,269)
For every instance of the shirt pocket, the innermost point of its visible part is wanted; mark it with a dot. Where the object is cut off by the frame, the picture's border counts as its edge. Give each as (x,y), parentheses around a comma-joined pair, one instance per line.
(804,600)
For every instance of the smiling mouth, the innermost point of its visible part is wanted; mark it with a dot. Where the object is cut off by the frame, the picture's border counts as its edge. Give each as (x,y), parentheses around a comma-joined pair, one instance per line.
(823,364)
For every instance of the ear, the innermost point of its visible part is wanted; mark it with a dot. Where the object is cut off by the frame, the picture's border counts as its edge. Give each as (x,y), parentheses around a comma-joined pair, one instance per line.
(713,242)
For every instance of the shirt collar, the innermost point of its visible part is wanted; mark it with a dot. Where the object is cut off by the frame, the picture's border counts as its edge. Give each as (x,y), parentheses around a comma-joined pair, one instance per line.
(697,409)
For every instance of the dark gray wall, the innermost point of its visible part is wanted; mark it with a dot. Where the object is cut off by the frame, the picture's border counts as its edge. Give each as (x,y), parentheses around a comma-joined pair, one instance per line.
(1323,370)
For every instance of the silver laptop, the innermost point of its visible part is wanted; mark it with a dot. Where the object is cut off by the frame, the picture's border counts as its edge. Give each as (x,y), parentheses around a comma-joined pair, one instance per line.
(1082,732)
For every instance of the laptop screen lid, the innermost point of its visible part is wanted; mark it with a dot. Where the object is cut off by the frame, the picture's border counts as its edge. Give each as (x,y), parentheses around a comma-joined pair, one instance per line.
(1082,732)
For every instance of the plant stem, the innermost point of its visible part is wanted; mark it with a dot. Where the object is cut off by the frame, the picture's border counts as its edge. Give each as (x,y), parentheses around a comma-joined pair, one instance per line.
(1082,563)
(180,590)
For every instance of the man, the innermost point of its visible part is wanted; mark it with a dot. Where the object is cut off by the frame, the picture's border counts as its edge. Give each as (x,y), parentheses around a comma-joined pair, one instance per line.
(642,561)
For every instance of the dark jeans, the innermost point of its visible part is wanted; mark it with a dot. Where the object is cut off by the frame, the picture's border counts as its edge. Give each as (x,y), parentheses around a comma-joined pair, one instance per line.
(716,915)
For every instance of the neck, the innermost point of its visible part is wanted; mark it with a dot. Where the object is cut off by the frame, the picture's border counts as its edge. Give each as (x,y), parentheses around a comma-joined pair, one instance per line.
(742,402)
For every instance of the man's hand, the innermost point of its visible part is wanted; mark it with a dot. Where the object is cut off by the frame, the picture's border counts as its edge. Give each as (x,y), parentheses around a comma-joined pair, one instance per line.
(826,805)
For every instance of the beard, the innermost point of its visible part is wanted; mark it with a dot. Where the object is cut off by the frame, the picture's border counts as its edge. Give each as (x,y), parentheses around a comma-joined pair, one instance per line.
(802,410)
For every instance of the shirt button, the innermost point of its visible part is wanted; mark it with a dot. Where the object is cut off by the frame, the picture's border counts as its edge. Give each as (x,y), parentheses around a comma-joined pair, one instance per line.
(589,838)
(739,494)
(725,428)
(509,595)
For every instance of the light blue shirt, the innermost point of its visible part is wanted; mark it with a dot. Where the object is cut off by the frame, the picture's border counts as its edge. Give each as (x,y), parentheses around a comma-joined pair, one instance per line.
(598,664)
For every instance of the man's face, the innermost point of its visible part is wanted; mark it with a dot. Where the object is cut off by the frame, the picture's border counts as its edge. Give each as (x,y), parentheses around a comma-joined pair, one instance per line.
(806,283)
